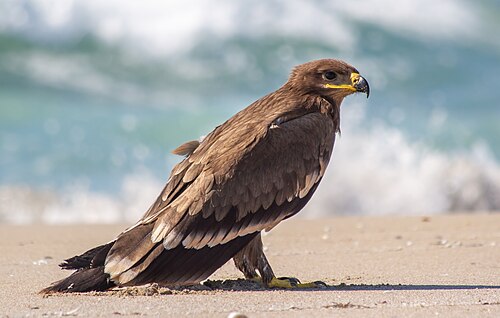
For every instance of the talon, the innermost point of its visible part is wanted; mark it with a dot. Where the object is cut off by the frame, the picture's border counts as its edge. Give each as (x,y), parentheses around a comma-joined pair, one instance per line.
(316,284)
(320,284)
(293,280)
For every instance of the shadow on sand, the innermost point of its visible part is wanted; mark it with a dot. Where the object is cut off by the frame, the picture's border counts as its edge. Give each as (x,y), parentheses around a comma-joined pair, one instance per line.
(241,285)
(409,287)
(247,285)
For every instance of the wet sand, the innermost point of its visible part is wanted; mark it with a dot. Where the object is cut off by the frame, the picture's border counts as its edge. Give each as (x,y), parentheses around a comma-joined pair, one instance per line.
(375,266)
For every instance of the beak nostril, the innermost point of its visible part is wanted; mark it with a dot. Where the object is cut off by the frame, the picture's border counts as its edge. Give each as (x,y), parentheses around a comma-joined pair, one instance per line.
(355,78)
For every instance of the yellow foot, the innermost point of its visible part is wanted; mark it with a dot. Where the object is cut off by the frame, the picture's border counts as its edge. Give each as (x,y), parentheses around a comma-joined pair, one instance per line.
(291,282)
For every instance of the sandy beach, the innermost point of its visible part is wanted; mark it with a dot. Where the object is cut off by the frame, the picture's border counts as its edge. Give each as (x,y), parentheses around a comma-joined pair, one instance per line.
(445,265)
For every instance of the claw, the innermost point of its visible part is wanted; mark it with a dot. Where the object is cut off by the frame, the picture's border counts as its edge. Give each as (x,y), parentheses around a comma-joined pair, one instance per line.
(293,280)
(316,284)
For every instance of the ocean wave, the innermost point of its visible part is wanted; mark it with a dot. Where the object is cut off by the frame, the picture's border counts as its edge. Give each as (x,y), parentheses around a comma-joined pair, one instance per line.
(79,204)
(373,170)
(380,171)
(95,87)
(73,73)
(166,27)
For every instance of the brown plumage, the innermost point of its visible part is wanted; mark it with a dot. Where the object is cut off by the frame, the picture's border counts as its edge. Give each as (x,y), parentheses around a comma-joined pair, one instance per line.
(253,171)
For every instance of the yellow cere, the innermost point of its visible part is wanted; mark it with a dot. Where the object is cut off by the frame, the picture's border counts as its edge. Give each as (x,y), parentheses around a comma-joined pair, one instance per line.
(354,80)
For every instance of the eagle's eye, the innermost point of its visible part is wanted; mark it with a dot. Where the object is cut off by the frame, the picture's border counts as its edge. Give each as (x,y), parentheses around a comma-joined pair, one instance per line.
(329,75)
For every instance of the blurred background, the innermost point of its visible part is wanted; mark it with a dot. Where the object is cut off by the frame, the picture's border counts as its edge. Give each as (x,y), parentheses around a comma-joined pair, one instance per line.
(95,94)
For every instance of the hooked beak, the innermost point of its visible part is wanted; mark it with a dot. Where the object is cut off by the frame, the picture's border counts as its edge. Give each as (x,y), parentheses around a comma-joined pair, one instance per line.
(360,84)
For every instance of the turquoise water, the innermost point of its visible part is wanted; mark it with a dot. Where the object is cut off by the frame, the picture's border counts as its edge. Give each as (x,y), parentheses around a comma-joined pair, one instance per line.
(93,96)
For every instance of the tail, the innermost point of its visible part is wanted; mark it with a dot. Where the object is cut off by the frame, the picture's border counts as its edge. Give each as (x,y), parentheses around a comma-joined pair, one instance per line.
(89,275)
(83,280)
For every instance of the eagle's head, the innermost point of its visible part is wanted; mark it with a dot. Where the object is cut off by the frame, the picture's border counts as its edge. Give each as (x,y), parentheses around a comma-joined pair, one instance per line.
(329,78)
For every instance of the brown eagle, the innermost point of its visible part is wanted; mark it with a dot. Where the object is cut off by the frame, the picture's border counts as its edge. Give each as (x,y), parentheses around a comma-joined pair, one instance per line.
(258,168)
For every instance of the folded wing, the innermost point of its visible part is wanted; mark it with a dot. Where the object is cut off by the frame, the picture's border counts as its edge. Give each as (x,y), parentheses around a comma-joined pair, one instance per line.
(243,178)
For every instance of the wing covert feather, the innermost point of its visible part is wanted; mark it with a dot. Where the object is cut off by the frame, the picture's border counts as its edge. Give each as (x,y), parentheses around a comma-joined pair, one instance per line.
(256,178)
(284,165)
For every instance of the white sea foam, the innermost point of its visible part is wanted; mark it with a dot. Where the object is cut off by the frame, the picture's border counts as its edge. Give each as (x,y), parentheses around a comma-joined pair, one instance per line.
(380,171)
(21,204)
(71,72)
(373,171)
(166,27)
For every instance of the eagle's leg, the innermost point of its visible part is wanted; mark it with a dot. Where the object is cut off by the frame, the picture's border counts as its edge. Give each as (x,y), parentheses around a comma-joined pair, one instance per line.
(251,259)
